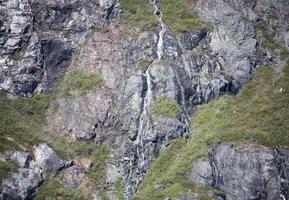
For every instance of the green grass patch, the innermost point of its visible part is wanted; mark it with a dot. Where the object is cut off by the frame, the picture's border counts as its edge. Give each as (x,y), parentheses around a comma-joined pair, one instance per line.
(143,65)
(53,189)
(259,114)
(21,120)
(138,13)
(79,82)
(119,188)
(166,107)
(180,16)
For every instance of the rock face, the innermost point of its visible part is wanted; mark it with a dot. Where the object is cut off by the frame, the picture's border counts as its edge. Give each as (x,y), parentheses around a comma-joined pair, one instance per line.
(192,70)
(244,171)
(38,39)
(195,68)
(41,39)
(31,174)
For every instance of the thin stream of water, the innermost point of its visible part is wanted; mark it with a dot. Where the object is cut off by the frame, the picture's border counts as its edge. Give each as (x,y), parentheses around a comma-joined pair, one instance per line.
(144,121)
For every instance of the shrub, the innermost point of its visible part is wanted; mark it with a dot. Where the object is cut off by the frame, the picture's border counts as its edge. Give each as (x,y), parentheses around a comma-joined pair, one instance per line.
(21,121)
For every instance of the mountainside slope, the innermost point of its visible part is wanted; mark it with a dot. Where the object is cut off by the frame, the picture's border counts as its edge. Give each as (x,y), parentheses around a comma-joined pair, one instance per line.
(102,99)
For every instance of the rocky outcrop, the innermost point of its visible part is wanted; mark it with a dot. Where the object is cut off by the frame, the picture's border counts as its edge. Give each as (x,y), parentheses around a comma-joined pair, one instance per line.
(246,171)
(22,184)
(191,70)
(35,169)
(38,39)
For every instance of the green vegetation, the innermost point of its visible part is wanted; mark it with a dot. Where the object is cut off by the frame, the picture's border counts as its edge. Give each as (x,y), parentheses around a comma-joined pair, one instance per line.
(53,189)
(6,168)
(138,13)
(170,169)
(247,2)
(79,82)
(21,121)
(143,65)
(259,114)
(165,107)
(103,195)
(180,16)
(119,187)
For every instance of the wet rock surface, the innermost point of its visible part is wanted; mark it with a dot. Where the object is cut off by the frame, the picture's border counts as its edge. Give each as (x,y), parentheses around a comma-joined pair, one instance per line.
(244,171)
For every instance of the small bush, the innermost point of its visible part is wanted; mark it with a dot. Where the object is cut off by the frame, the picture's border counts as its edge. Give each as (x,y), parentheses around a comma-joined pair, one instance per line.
(166,107)
(21,121)
(269,42)
(16,56)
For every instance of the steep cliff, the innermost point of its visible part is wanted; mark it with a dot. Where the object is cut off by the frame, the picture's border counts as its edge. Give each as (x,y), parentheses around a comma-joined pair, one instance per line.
(122,80)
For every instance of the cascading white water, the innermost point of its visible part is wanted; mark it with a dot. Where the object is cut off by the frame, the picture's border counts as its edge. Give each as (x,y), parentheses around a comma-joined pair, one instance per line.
(144,124)
(144,120)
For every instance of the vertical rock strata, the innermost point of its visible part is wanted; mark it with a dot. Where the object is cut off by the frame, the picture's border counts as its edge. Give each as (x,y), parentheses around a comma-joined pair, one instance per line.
(40,40)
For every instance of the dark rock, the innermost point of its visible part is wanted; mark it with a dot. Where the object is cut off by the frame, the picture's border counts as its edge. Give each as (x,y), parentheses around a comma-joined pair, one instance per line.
(191,40)
(56,58)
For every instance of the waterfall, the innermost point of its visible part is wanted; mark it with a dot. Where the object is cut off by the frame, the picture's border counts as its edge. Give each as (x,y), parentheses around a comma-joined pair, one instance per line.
(144,120)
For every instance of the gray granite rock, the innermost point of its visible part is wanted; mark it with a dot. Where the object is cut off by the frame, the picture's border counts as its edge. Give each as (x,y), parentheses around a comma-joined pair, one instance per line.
(246,171)
(23,183)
